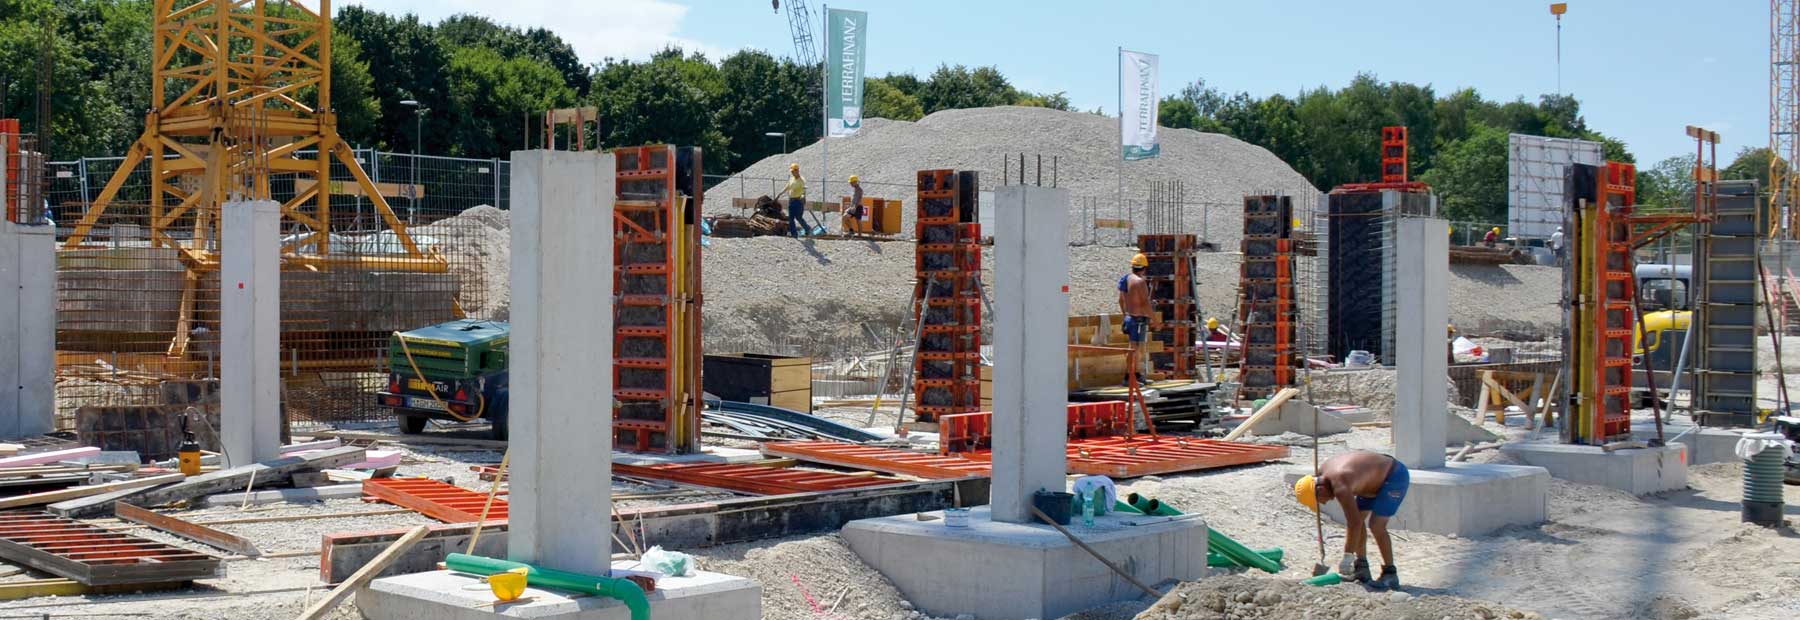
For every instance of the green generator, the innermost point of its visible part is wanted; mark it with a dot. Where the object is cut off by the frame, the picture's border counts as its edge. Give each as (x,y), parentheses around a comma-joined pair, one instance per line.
(455,371)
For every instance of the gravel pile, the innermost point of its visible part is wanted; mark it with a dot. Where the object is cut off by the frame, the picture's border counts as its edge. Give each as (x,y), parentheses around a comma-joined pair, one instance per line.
(816,577)
(1249,597)
(478,245)
(1216,170)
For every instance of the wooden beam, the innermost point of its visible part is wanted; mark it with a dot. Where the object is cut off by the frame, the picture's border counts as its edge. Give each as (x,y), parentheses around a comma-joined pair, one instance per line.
(51,497)
(191,531)
(367,572)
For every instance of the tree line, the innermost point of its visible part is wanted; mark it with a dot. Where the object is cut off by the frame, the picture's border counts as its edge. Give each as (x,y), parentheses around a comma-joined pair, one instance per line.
(481,87)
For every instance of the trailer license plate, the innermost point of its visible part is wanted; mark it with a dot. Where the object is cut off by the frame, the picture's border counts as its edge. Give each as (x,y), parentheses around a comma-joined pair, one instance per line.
(418,384)
(425,403)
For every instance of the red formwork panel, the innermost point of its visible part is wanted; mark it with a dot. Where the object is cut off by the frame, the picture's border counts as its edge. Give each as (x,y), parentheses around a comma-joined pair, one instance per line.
(886,460)
(753,479)
(656,327)
(96,556)
(442,501)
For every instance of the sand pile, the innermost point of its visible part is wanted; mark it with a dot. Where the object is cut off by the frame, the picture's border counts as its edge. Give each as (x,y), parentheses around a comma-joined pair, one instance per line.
(1217,170)
(1238,597)
(478,245)
(816,577)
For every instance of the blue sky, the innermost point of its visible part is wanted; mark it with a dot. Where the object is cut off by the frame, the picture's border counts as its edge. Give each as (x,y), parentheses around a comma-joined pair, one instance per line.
(1643,70)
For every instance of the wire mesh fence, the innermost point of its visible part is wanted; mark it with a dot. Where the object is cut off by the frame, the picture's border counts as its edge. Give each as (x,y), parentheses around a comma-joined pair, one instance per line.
(138,289)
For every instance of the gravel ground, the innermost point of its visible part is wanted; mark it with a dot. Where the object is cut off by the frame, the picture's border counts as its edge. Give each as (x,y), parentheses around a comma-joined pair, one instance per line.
(1217,170)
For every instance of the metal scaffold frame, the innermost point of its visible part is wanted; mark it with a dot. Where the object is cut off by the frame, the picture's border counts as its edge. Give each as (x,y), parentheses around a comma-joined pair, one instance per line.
(1784,114)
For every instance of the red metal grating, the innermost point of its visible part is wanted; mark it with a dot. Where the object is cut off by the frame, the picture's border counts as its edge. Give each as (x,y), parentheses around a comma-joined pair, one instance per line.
(889,460)
(445,502)
(1118,457)
(753,479)
(94,556)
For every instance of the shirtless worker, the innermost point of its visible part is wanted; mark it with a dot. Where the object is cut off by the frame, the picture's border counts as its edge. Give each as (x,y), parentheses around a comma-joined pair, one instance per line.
(1134,303)
(1369,486)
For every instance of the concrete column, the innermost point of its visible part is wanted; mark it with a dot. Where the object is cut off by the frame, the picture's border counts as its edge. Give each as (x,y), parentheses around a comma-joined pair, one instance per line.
(27,330)
(250,331)
(1031,357)
(562,255)
(1422,284)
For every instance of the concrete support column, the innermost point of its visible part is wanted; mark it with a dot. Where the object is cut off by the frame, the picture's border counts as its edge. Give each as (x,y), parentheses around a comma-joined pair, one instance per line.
(1031,322)
(27,330)
(562,329)
(250,331)
(1422,312)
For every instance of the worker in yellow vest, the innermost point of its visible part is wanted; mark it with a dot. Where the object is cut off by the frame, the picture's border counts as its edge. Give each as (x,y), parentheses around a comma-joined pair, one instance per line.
(796,195)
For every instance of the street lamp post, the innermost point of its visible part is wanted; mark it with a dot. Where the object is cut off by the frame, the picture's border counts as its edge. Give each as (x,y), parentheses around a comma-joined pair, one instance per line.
(412,198)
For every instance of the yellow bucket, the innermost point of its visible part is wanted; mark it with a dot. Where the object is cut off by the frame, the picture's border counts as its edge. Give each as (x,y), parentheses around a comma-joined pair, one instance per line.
(509,585)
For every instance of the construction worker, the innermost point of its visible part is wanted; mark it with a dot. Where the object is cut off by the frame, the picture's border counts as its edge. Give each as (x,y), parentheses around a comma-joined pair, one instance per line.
(1556,244)
(1492,238)
(1214,333)
(854,214)
(1369,487)
(1134,303)
(796,193)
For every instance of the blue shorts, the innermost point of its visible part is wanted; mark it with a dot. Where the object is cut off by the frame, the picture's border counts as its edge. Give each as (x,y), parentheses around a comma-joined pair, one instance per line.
(1393,490)
(1134,327)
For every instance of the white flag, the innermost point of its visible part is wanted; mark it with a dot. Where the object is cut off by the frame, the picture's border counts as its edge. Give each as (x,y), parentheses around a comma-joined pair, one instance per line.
(1138,103)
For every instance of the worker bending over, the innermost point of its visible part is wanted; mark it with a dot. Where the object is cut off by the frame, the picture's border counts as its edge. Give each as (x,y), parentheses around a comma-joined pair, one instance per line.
(853,215)
(1369,487)
(796,193)
(1134,303)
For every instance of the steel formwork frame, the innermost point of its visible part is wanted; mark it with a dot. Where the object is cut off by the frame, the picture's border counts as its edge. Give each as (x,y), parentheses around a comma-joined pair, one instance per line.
(1267,318)
(947,296)
(657,394)
(1394,153)
(241,87)
(1601,307)
(1171,280)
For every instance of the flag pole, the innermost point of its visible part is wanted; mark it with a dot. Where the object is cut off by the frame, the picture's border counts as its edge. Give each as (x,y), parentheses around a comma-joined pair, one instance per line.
(825,103)
(1119,64)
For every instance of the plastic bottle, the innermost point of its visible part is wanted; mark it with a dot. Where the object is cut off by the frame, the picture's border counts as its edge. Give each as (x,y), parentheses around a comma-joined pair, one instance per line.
(1087,511)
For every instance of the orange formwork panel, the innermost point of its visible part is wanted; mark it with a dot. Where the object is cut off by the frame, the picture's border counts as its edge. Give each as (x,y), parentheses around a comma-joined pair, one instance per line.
(752,479)
(95,556)
(439,500)
(886,460)
(657,285)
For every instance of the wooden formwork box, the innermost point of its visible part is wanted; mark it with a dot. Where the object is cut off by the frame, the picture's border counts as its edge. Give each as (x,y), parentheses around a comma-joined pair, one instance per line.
(774,380)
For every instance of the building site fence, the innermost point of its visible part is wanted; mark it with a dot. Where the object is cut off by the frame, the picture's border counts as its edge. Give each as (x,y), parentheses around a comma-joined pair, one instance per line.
(138,283)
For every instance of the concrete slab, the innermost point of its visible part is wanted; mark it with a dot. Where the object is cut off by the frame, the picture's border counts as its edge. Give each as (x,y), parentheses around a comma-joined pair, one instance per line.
(444,595)
(277,496)
(711,455)
(1705,445)
(1466,499)
(1460,431)
(1352,413)
(1638,471)
(1006,571)
(1297,417)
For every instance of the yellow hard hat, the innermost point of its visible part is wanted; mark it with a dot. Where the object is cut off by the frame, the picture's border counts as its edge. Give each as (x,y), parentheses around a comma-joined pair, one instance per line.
(793,167)
(1496,229)
(855,179)
(1304,490)
(1139,260)
(508,586)
(1212,323)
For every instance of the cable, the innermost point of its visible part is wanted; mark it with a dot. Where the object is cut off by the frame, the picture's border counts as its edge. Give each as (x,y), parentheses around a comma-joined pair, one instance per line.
(431,387)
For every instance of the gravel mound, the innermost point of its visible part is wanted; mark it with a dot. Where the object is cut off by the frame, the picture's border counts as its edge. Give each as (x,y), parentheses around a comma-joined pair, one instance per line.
(1237,597)
(1217,170)
(478,245)
(817,577)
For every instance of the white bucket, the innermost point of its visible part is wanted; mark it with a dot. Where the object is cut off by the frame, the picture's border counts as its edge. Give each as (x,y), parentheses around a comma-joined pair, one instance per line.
(956,517)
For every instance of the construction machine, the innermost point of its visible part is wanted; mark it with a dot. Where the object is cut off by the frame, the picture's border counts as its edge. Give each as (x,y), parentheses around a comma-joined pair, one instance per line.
(1663,294)
(449,371)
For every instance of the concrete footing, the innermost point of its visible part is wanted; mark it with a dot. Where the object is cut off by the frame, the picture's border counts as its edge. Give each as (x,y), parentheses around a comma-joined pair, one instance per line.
(1005,571)
(1298,417)
(1638,471)
(1466,499)
(444,595)
(1705,445)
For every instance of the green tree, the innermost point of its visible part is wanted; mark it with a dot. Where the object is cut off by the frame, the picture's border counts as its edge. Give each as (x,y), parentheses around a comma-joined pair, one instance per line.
(1667,186)
(957,87)
(409,61)
(353,95)
(1470,176)
(1751,163)
(1177,113)
(493,97)
(762,95)
(883,100)
(475,31)
(662,101)
(1055,101)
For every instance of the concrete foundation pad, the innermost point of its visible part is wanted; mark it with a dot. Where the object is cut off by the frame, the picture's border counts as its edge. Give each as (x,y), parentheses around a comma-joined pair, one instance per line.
(1466,499)
(445,595)
(1298,417)
(1705,444)
(275,496)
(1460,431)
(1006,571)
(1638,471)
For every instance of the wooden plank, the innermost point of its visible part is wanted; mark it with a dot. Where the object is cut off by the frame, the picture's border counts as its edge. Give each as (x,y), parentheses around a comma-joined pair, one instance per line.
(1103,222)
(47,457)
(191,531)
(51,497)
(363,575)
(790,377)
(269,473)
(1481,401)
(1269,407)
(420,439)
(20,590)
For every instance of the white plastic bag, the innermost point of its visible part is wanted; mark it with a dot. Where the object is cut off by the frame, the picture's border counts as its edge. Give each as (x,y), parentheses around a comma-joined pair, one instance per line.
(671,563)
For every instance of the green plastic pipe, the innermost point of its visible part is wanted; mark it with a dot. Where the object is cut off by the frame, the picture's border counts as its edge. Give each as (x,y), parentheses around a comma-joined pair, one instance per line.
(1327,579)
(622,589)
(1220,560)
(1215,540)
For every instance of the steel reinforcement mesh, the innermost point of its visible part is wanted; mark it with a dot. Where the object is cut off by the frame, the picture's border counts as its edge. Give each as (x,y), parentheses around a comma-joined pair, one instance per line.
(138,296)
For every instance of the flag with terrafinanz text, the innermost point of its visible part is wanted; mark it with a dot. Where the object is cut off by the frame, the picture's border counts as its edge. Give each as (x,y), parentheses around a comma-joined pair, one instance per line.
(846,49)
(1137,103)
